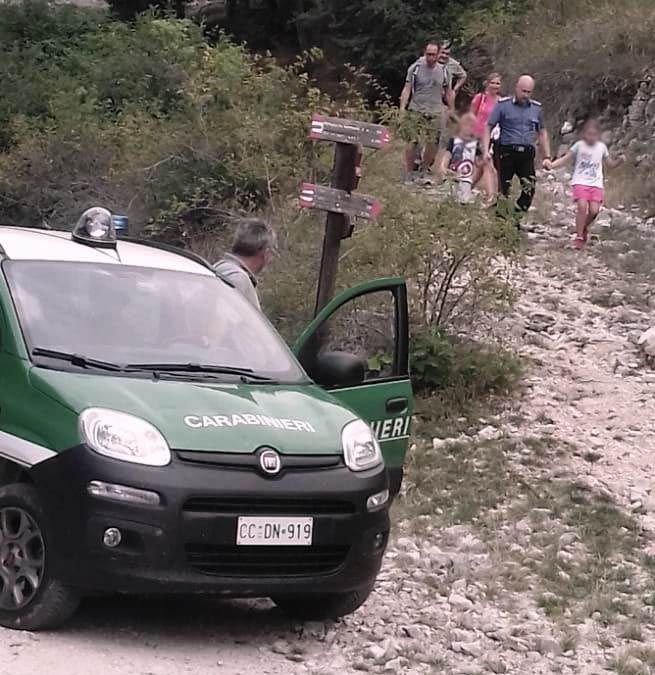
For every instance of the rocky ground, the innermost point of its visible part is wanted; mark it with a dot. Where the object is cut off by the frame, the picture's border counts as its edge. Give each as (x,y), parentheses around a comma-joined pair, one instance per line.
(523,537)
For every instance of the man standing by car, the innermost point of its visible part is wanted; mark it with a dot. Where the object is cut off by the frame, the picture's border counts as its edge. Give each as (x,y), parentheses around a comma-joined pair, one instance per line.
(521,122)
(423,99)
(252,248)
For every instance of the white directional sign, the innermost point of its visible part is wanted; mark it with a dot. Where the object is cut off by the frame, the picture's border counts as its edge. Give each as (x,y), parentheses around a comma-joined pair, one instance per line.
(339,130)
(339,201)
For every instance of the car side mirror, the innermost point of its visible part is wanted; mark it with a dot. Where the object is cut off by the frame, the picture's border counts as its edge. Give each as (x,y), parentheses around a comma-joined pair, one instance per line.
(337,369)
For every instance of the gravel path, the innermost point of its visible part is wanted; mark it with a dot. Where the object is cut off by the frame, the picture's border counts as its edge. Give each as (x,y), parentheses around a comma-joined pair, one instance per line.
(579,322)
(153,637)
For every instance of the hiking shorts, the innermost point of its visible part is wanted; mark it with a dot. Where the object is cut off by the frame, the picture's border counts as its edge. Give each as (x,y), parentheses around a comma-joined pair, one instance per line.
(421,128)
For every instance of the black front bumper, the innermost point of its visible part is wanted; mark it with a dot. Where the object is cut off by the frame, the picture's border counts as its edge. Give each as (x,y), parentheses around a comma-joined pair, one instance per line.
(188,542)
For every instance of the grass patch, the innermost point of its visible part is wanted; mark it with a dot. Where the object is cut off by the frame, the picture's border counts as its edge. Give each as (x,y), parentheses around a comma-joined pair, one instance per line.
(632,631)
(459,482)
(629,250)
(578,553)
(632,184)
(588,551)
(634,661)
(569,640)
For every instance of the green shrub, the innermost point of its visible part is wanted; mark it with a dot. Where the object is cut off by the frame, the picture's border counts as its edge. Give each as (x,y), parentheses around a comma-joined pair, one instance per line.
(146,118)
(461,369)
(432,360)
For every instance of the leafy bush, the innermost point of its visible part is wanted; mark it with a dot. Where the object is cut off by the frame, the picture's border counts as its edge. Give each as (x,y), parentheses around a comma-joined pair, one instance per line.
(463,368)
(146,118)
(432,358)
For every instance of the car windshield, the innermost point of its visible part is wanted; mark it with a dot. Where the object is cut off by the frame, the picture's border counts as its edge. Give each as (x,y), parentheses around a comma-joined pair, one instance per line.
(137,315)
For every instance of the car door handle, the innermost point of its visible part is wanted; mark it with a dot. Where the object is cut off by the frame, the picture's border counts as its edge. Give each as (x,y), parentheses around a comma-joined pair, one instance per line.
(396,405)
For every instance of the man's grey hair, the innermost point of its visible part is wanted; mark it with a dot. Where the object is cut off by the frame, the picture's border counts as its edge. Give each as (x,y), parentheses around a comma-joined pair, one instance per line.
(252,236)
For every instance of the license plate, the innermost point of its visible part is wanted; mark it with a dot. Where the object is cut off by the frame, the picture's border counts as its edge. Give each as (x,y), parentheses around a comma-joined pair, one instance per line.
(264,531)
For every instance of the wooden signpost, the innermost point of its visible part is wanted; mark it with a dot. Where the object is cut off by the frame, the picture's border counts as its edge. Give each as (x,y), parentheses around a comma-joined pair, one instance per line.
(338,199)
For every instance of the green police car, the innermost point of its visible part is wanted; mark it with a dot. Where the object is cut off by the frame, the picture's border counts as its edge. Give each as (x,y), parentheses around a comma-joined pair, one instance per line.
(158,436)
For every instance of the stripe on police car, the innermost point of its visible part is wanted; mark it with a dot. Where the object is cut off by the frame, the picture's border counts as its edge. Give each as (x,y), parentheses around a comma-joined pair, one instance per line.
(21,451)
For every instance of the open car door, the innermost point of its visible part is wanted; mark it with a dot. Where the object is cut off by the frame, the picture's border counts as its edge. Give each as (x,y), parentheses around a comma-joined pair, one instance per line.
(358,349)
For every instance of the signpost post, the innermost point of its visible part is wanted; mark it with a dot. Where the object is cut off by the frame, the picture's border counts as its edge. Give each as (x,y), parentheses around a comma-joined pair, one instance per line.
(338,200)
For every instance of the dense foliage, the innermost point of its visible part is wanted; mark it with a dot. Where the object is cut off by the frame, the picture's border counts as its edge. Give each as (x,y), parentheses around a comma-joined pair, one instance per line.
(382,36)
(146,118)
(150,119)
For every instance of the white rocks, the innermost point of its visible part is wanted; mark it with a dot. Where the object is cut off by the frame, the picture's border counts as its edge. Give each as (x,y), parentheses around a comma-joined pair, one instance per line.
(468,648)
(545,645)
(281,647)
(496,665)
(647,342)
(459,602)
(540,321)
(488,433)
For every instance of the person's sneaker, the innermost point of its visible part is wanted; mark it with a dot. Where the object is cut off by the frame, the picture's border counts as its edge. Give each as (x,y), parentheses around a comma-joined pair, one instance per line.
(578,243)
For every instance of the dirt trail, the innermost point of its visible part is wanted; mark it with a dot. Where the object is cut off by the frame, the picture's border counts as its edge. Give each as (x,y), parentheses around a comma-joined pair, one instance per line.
(579,322)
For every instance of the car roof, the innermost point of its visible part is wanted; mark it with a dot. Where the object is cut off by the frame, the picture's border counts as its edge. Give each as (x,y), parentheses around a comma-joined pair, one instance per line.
(20,243)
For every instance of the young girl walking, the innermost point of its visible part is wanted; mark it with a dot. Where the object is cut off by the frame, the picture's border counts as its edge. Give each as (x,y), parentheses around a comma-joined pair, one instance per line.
(590,154)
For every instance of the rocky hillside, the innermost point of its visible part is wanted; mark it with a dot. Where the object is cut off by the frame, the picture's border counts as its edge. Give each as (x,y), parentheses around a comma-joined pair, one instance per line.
(525,539)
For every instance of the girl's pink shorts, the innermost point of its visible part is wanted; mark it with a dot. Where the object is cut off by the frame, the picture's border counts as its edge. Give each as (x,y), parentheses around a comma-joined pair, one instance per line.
(589,194)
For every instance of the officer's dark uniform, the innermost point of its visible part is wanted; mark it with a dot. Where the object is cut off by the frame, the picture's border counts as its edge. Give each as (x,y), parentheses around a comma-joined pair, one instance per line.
(519,125)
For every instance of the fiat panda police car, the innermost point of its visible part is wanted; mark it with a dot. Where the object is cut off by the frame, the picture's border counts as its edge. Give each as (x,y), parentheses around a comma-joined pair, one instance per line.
(158,436)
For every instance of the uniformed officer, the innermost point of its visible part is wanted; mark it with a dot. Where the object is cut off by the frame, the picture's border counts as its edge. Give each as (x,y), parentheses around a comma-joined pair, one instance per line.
(521,122)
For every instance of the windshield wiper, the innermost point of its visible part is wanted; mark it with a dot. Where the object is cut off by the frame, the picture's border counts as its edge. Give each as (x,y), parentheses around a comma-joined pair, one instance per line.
(245,373)
(78,360)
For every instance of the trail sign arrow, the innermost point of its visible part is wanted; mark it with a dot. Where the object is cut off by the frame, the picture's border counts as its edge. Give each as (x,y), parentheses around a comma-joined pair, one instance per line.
(339,201)
(352,132)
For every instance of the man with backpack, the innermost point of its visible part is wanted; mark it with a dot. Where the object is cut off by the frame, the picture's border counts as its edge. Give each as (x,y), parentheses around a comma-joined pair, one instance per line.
(423,107)
(456,76)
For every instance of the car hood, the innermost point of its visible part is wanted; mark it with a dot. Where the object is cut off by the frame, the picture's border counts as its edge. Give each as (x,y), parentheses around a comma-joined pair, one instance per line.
(213,417)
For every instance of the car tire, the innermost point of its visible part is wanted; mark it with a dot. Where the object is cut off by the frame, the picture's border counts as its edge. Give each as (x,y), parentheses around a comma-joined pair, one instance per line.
(322,607)
(30,599)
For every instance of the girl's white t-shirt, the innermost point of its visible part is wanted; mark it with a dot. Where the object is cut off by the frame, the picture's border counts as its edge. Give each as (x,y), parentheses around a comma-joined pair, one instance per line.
(588,163)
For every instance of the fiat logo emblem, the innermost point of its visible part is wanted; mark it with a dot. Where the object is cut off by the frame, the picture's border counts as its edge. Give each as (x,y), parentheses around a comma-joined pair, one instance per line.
(270,462)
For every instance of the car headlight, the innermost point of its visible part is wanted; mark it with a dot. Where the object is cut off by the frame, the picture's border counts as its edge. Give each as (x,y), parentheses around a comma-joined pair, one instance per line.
(361,449)
(125,437)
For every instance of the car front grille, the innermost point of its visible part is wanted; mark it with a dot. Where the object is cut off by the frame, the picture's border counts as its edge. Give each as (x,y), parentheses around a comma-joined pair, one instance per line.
(262,506)
(265,561)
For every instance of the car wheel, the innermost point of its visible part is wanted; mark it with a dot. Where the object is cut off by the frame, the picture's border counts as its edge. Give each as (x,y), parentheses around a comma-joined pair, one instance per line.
(320,607)
(30,599)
